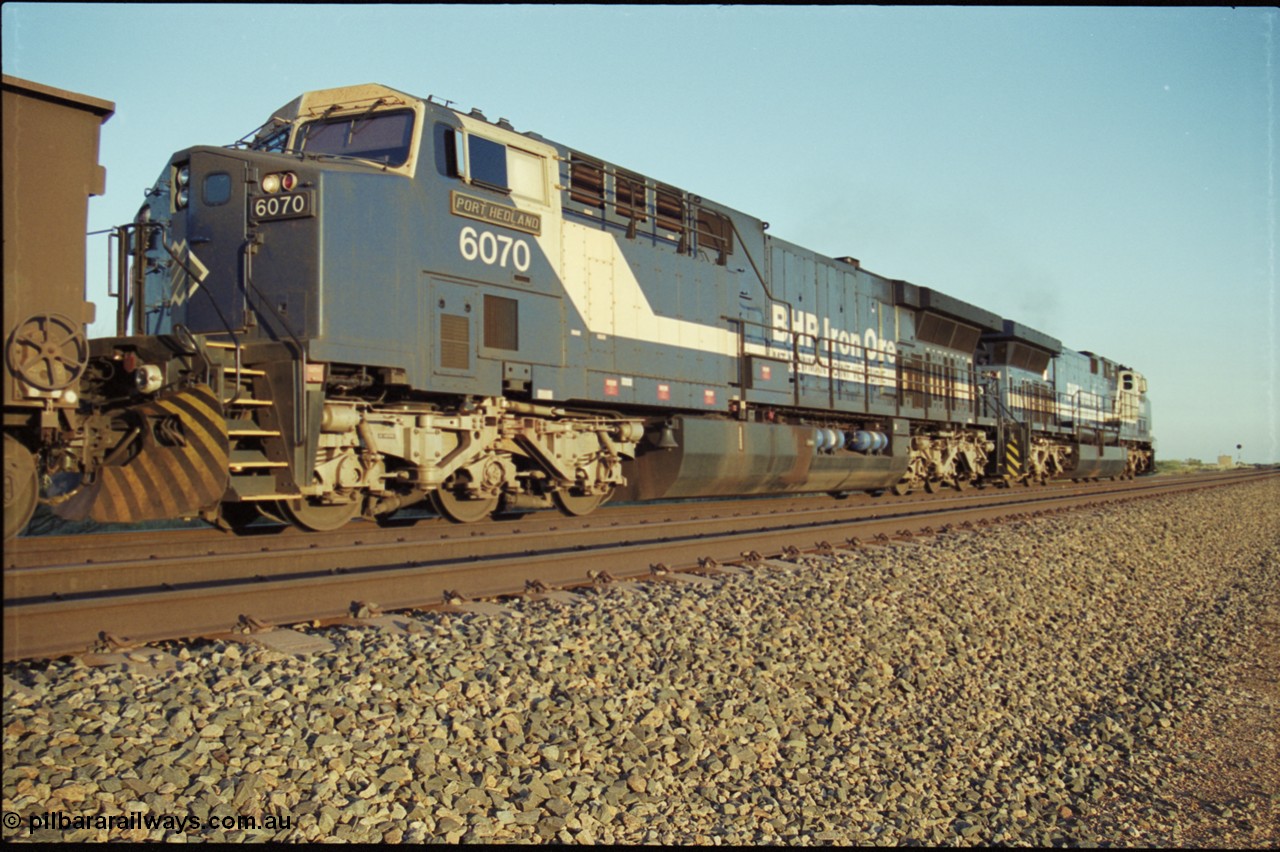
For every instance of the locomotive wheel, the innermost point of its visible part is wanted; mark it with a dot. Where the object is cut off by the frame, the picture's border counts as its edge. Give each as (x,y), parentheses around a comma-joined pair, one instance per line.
(902,489)
(462,510)
(576,505)
(319,517)
(21,487)
(960,483)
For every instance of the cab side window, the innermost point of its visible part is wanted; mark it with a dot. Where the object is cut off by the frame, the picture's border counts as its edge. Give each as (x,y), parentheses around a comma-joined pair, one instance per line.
(488,163)
(479,161)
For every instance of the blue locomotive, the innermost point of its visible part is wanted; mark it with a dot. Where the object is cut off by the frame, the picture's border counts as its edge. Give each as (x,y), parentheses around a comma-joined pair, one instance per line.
(375,299)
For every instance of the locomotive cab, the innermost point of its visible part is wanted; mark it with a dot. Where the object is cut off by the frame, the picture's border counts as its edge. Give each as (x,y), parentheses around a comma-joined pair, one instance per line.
(1130,390)
(348,283)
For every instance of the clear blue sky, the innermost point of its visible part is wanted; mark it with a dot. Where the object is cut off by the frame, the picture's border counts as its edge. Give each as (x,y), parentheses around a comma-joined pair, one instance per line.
(1107,176)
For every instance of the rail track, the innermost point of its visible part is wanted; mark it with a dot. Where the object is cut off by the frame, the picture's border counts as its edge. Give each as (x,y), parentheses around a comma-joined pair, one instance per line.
(70,594)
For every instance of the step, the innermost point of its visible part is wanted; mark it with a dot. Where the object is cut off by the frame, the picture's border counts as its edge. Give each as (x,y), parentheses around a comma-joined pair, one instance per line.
(242,460)
(247,402)
(252,433)
(255,466)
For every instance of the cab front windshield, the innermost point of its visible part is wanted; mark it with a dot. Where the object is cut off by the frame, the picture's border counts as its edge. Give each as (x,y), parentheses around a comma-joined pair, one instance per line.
(383,136)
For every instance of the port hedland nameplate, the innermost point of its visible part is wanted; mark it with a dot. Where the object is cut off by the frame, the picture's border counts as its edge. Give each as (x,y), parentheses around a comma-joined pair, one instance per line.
(471,207)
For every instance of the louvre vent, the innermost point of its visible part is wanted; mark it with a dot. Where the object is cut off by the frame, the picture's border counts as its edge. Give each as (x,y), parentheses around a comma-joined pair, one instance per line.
(455,342)
(948,333)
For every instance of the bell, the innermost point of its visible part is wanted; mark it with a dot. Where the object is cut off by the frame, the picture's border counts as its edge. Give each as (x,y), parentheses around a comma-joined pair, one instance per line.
(667,440)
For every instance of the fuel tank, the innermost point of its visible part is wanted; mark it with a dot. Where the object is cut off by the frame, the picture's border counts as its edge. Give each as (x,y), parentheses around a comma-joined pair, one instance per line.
(1094,462)
(720,458)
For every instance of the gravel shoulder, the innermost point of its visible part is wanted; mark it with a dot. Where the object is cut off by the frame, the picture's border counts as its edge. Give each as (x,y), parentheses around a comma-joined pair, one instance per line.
(1222,762)
(1108,677)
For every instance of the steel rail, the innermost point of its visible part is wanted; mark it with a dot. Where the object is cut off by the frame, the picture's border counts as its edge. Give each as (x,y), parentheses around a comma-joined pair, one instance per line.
(323,589)
(133,545)
(445,543)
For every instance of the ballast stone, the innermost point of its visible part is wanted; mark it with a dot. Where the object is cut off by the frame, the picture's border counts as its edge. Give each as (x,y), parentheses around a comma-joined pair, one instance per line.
(1000,687)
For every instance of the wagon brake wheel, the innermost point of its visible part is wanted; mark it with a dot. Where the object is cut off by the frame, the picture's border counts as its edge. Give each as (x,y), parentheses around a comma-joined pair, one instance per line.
(48,351)
(579,504)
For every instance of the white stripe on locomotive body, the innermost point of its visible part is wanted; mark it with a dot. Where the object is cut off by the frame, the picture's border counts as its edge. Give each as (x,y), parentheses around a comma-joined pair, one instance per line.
(604,289)
(592,270)
(1090,407)
(843,369)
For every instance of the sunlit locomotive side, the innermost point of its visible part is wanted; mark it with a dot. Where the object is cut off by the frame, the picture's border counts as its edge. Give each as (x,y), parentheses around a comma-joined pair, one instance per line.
(375,299)
(50,170)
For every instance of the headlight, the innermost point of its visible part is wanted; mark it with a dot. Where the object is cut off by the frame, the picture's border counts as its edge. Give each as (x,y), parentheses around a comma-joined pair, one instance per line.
(184,175)
(184,195)
(271,183)
(148,378)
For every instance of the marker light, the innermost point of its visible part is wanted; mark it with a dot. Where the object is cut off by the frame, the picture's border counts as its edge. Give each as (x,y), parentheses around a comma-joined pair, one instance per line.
(181,188)
(271,183)
(289,181)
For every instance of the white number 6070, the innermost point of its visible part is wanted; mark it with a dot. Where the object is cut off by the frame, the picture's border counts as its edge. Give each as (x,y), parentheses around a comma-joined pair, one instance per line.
(493,249)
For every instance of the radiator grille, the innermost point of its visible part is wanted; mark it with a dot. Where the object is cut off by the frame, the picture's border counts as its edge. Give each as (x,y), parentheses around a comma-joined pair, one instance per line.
(455,342)
(501,323)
